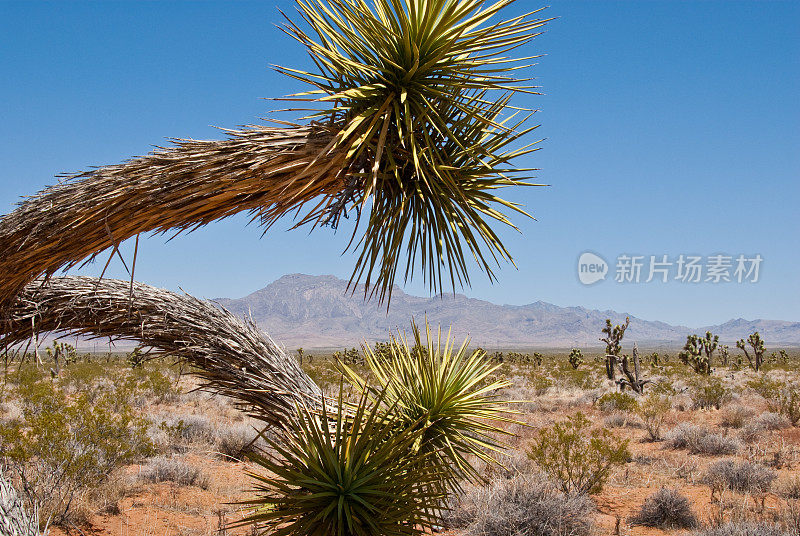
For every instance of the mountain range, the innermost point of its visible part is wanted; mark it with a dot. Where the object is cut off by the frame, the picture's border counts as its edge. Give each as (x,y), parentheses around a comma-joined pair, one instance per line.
(308,311)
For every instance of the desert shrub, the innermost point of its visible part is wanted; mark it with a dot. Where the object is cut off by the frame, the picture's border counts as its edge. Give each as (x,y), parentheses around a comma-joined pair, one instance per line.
(324,372)
(236,441)
(621,419)
(578,459)
(665,509)
(789,402)
(716,445)
(743,477)
(663,387)
(83,376)
(617,402)
(539,383)
(740,528)
(653,410)
(736,416)
(770,420)
(190,429)
(699,440)
(155,384)
(684,435)
(709,392)
(789,488)
(782,397)
(62,447)
(767,421)
(766,387)
(175,470)
(525,504)
(580,378)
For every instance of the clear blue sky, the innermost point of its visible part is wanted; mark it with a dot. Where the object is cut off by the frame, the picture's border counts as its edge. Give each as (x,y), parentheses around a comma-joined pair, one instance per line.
(671,128)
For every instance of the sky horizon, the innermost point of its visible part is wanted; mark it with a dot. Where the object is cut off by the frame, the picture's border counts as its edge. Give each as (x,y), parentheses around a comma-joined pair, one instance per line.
(670,129)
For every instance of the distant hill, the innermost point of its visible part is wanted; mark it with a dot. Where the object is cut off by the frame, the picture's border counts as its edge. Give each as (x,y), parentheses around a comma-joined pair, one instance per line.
(317,312)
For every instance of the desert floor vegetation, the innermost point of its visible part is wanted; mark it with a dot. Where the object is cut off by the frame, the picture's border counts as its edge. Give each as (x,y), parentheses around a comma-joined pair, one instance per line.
(179,458)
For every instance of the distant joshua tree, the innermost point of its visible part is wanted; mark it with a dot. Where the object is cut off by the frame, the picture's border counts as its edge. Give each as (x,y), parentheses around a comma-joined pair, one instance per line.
(758,348)
(575,358)
(698,352)
(613,340)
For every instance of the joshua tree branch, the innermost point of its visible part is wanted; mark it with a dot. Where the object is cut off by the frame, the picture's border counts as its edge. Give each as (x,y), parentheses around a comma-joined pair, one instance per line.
(232,356)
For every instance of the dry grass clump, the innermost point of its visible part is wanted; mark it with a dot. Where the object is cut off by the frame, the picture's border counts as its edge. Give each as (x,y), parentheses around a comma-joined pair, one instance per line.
(181,433)
(665,509)
(175,470)
(195,429)
(236,441)
(525,504)
(700,440)
(736,415)
(743,477)
(789,488)
(770,420)
(767,421)
(622,419)
(744,528)
(105,498)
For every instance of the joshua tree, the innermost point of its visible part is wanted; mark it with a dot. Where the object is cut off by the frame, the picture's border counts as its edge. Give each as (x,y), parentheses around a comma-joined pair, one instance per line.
(413,131)
(575,358)
(724,355)
(699,352)
(613,340)
(757,345)
(632,378)
(779,357)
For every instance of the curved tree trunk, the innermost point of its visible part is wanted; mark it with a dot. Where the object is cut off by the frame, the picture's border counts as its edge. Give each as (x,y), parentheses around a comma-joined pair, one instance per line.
(232,356)
(266,171)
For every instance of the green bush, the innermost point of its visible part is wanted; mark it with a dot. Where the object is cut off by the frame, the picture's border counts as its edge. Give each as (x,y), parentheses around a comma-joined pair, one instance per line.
(539,383)
(653,409)
(578,459)
(617,402)
(765,387)
(62,447)
(789,403)
(581,378)
(781,396)
(708,392)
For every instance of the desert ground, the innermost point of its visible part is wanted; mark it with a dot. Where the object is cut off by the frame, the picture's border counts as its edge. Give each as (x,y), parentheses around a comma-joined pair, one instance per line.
(728,443)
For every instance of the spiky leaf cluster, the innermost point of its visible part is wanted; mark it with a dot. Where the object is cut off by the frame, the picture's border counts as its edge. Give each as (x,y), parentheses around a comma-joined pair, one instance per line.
(449,392)
(418,93)
(344,472)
